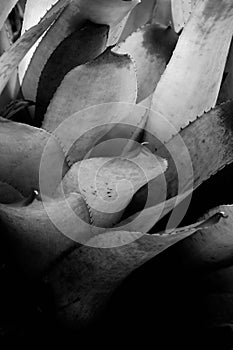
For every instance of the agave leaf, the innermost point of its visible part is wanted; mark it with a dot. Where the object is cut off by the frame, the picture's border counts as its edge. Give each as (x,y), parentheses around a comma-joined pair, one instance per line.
(78,48)
(138,17)
(22,147)
(33,12)
(181,11)
(77,300)
(8,194)
(162,13)
(109,12)
(199,151)
(196,67)
(12,88)
(30,69)
(226,91)
(109,78)
(38,239)
(209,144)
(5,8)
(151,47)
(11,58)
(41,234)
(211,251)
(116,31)
(213,247)
(108,184)
(86,134)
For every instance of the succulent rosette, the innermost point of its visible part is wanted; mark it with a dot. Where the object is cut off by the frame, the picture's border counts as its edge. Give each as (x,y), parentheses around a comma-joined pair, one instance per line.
(113,113)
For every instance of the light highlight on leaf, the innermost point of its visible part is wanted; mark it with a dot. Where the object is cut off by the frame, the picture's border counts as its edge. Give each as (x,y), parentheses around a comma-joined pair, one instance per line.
(108,184)
(83,45)
(191,82)
(11,58)
(151,47)
(181,11)
(21,149)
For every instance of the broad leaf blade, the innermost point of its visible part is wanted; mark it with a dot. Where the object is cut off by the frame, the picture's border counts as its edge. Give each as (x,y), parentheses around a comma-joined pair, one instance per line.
(162,13)
(11,59)
(77,302)
(108,184)
(22,147)
(12,87)
(33,12)
(38,234)
(78,48)
(151,47)
(196,68)
(200,150)
(109,12)
(139,16)
(181,11)
(226,91)
(211,247)
(109,78)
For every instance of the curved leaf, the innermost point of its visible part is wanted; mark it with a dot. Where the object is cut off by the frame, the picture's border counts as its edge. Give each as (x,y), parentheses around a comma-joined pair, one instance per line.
(8,194)
(108,12)
(199,151)
(213,247)
(12,87)
(209,141)
(5,8)
(11,58)
(151,47)
(181,11)
(162,13)
(108,184)
(75,15)
(22,147)
(77,302)
(109,78)
(195,68)
(78,48)
(139,16)
(38,239)
(226,91)
(33,12)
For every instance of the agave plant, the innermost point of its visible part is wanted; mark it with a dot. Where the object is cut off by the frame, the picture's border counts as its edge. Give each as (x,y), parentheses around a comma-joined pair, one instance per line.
(113,113)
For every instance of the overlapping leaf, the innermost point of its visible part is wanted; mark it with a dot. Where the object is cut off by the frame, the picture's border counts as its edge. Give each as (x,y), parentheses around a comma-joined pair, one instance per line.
(39,240)
(33,12)
(162,13)
(109,78)
(226,91)
(181,11)
(191,82)
(151,47)
(11,58)
(200,150)
(5,8)
(22,147)
(108,12)
(12,87)
(139,16)
(77,302)
(108,184)
(78,48)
